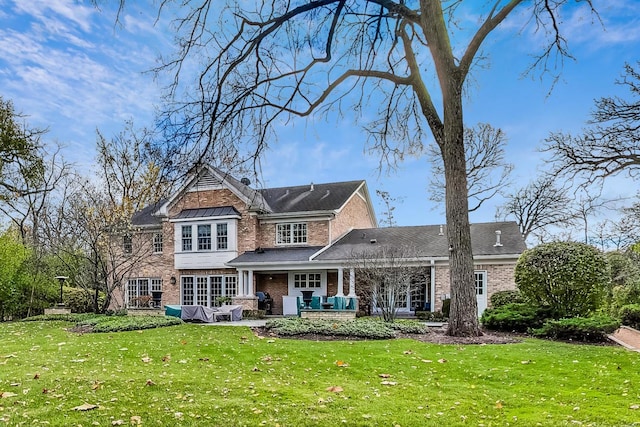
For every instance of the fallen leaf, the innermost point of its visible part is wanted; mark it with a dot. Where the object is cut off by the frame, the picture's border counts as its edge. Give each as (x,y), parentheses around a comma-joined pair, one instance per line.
(335,389)
(635,406)
(36,376)
(498,404)
(117,422)
(255,369)
(5,394)
(146,359)
(526,362)
(341,364)
(442,360)
(166,358)
(384,375)
(150,382)
(427,361)
(95,386)
(388,383)
(136,420)
(85,407)
(45,391)
(204,359)
(408,352)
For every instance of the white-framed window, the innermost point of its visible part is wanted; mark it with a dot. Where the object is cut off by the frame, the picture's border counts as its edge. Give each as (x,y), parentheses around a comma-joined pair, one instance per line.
(307,280)
(291,233)
(216,236)
(157,243)
(127,244)
(222,236)
(186,290)
(204,237)
(207,290)
(139,290)
(187,238)
(481,282)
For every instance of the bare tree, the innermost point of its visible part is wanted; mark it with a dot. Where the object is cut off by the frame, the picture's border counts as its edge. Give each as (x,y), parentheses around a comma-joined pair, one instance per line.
(266,62)
(610,144)
(387,277)
(389,206)
(538,205)
(487,170)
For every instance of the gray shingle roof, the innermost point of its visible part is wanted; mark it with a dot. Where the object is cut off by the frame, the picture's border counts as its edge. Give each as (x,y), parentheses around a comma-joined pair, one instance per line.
(426,241)
(313,197)
(208,212)
(275,255)
(146,217)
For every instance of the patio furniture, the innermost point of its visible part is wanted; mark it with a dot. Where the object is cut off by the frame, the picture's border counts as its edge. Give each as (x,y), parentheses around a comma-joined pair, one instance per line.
(307,297)
(227,311)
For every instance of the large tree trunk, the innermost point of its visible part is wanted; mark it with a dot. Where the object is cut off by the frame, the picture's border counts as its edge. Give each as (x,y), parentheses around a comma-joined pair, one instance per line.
(463,317)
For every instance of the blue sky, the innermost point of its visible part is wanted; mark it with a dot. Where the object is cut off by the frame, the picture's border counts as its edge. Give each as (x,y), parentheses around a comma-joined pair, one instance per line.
(71,69)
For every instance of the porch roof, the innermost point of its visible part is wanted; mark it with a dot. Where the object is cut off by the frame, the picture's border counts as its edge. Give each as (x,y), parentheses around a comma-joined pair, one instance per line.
(426,241)
(275,255)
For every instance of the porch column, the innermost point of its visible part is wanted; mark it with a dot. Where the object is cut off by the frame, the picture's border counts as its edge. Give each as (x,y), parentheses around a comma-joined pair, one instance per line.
(433,286)
(240,291)
(250,283)
(340,292)
(352,282)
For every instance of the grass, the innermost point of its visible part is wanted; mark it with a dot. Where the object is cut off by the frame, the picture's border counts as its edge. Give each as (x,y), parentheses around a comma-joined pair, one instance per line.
(225,376)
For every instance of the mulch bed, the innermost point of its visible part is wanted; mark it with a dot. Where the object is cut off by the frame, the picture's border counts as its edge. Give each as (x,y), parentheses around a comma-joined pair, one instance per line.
(435,336)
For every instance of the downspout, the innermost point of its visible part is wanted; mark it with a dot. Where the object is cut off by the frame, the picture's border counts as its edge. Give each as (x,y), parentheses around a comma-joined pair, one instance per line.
(433,285)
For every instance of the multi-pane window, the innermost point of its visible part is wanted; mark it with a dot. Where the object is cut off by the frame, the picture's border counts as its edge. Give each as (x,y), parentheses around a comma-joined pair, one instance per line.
(187,290)
(207,290)
(139,291)
(307,280)
(157,243)
(204,237)
(222,240)
(127,244)
(481,278)
(187,240)
(202,291)
(291,234)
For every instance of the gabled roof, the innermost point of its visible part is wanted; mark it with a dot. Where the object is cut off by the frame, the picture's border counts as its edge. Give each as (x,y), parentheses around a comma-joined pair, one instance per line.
(426,241)
(284,201)
(276,255)
(313,197)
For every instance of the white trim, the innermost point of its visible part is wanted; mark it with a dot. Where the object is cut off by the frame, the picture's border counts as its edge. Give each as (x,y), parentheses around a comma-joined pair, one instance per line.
(205,218)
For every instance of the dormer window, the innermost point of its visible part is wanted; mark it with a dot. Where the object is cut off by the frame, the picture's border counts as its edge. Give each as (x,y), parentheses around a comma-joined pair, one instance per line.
(291,233)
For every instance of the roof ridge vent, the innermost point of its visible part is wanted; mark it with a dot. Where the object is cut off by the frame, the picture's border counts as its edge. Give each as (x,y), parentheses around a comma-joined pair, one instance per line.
(311,188)
(498,242)
(441,232)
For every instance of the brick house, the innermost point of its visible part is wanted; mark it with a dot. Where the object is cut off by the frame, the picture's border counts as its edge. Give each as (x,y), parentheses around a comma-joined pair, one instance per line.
(219,238)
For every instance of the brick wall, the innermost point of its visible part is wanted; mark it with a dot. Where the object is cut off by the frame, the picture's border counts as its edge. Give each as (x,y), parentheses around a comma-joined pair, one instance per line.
(500,277)
(317,233)
(355,214)
(276,285)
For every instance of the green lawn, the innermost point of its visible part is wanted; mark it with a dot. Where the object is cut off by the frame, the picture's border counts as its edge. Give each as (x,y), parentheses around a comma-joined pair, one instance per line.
(226,376)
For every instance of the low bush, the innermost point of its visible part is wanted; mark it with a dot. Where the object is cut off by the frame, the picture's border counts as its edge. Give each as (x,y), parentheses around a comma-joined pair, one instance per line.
(630,315)
(588,329)
(102,323)
(431,316)
(500,298)
(359,328)
(518,317)
(128,323)
(253,314)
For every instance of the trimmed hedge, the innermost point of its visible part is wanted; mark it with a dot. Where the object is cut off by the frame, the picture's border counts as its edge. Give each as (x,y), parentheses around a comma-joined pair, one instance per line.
(517,317)
(630,315)
(128,323)
(501,298)
(359,328)
(588,329)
